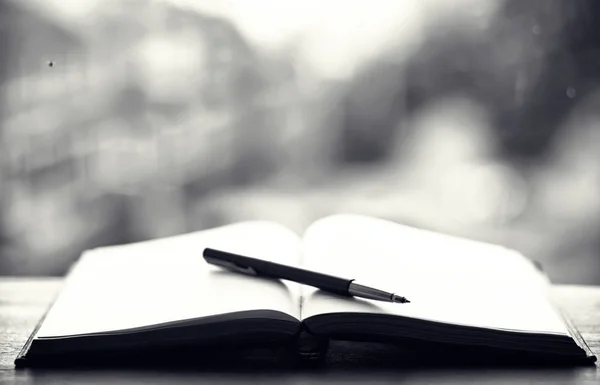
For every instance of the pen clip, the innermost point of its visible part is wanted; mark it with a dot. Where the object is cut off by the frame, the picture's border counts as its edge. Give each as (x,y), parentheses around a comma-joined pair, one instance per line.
(231,266)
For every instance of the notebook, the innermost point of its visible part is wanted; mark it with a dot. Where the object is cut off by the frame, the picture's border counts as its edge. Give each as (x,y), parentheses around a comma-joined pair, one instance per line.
(162,293)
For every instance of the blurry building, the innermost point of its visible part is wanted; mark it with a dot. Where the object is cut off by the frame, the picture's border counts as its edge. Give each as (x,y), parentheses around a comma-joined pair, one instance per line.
(475,120)
(136,121)
(530,66)
(29,149)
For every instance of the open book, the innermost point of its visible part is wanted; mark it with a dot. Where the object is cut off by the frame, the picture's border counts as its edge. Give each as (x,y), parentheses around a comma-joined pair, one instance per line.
(163,293)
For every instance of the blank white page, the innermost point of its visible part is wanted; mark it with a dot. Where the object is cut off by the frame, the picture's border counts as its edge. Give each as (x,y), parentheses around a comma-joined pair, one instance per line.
(447,279)
(166,280)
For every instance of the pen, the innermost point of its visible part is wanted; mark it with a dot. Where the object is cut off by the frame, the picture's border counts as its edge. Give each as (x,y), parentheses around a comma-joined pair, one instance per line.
(262,268)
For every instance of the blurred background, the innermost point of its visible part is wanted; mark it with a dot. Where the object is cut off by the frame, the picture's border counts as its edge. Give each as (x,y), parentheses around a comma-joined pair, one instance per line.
(126,120)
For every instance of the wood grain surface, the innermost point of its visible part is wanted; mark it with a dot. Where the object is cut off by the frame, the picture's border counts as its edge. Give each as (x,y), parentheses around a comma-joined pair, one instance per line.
(24,300)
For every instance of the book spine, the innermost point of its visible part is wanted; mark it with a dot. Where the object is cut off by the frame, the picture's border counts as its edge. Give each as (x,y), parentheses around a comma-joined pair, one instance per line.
(311,349)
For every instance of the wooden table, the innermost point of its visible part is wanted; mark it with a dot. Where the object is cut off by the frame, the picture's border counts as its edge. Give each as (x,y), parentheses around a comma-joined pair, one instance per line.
(23,300)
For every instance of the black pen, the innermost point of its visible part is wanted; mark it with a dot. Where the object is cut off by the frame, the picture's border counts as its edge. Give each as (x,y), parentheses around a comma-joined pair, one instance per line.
(258,267)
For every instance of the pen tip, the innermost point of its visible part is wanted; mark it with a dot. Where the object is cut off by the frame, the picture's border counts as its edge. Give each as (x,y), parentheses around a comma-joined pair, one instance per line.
(400,299)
